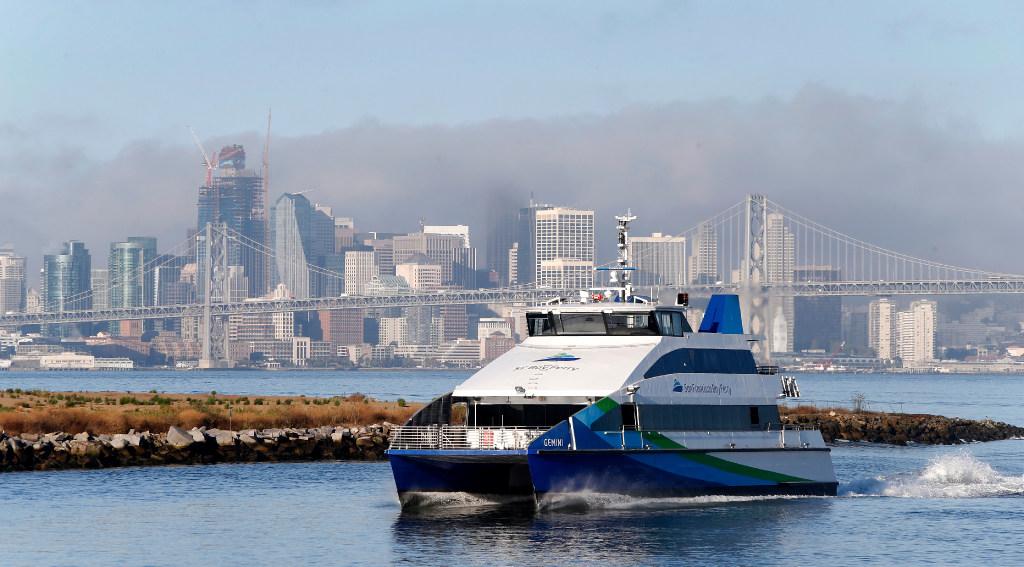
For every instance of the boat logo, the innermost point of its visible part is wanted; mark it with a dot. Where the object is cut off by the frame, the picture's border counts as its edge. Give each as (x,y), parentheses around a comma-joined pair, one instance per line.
(676,386)
(560,357)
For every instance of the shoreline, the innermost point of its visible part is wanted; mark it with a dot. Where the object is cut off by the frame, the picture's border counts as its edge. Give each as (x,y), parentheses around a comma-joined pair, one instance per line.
(214,428)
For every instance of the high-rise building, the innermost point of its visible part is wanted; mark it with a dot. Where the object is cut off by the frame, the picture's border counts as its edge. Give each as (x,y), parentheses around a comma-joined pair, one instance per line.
(67,279)
(360,270)
(704,259)
(420,273)
(342,327)
(817,321)
(564,248)
(659,259)
(526,243)
(915,334)
(461,230)
(303,242)
(344,234)
(235,198)
(100,288)
(393,330)
(501,236)
(780,263)
(12,281)
(449,251)
(383,246)
(130,266)
(882,328)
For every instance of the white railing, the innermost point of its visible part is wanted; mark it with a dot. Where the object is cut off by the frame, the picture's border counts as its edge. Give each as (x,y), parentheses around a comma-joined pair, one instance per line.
(462,437)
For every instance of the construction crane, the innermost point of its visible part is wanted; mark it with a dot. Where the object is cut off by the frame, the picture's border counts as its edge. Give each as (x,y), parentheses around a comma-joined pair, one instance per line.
(208,162)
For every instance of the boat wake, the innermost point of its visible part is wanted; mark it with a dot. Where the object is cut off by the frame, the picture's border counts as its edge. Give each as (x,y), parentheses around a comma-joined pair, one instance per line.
(433,500)
(582,501)
(958,475)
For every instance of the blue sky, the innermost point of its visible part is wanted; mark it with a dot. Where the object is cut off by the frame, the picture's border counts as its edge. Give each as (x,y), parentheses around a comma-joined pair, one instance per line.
(99,74)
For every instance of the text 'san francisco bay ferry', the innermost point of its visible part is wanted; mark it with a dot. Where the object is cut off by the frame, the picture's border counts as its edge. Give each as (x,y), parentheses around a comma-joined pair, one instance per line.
(614,395)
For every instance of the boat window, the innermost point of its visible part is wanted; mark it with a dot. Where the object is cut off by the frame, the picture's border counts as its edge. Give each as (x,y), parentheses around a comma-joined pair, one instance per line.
(755,418)
(540,324)
(582,324)
(629,416)
(630,324)
(673,324)
(702,360)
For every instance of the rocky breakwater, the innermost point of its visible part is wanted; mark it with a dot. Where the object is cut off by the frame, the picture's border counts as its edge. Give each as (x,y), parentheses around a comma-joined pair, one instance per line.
(899,429)
(199,445)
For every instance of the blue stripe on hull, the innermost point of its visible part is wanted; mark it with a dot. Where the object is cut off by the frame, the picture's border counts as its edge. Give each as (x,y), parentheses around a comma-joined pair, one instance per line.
(651,474)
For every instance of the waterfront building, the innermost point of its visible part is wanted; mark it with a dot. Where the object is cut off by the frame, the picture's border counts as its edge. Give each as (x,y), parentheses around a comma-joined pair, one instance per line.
(12,282)
(916,333)
(360,269)
(130,266)
(564,248)
(494,346)
(235,198)
(659,259)
(460,353)
(704,259)
(882,328)
(303,243)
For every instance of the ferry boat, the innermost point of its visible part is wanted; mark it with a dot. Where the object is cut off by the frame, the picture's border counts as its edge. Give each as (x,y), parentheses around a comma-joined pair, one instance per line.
(614,394)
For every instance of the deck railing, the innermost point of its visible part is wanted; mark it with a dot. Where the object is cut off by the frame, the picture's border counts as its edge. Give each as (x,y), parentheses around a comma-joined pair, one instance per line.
(463,437)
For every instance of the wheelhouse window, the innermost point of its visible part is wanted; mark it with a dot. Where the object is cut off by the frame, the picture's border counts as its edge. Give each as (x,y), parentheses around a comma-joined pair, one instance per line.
(539,324)
(581,324)
(615,323)
(630,324)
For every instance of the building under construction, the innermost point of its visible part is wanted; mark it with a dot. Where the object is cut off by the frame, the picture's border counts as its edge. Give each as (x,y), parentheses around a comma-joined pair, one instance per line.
(234,195)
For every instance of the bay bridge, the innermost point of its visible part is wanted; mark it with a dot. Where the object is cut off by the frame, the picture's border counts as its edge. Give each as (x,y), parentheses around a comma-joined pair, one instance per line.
(757,248)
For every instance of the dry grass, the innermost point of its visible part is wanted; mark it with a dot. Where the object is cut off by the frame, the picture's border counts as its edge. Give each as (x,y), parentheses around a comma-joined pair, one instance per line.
(117,412)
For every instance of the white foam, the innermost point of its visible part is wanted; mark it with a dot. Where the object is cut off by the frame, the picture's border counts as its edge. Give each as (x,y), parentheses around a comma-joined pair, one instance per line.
(457,500)
(607,501)
(956,475)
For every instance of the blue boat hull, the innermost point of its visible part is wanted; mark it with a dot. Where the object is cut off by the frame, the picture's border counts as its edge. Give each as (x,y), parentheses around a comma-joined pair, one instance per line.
(660,474)
(500,477)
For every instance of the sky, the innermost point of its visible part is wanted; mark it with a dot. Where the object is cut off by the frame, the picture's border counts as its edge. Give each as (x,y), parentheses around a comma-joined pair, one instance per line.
(900,123)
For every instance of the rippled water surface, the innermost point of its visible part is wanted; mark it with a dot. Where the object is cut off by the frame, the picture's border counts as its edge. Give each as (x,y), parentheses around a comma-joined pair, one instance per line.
(907,505)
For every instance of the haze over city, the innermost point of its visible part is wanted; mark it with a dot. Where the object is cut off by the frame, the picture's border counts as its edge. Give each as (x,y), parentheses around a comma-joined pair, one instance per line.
(677,110)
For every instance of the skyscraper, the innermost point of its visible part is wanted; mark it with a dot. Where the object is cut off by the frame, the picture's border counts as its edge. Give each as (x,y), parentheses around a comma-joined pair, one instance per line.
(780,262)
(66,280)
(130,266)
(916,333)
(360,269)
(501,236)
(704,260)
(564,248)
(659,259)
(526,243)
(100,285)
(303,243)
(235,197)
(882,328)
(12,281)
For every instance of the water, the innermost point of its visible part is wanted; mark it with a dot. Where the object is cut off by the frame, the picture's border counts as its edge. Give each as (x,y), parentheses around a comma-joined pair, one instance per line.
(413,385)
(912,505)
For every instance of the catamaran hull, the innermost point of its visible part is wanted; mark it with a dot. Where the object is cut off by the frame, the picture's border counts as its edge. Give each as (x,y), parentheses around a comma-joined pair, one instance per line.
(421,476)
(684,473)
(425,477)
